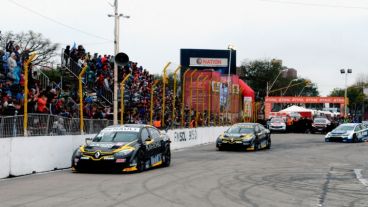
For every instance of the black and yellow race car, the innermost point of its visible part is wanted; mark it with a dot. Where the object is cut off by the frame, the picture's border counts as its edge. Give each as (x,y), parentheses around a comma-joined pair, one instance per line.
(124,148)
(247,136)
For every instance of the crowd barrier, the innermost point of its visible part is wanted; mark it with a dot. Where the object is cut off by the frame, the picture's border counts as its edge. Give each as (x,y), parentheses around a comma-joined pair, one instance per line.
(48,125)
(27,155)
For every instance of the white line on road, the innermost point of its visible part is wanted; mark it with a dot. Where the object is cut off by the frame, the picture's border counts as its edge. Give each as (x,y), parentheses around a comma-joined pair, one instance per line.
(358,173)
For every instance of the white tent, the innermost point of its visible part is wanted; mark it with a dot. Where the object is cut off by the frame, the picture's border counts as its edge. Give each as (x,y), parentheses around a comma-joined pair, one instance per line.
(295,108)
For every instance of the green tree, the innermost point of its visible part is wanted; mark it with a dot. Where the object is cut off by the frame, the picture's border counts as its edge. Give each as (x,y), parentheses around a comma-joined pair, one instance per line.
(31,42)
(259,74)
(355,95)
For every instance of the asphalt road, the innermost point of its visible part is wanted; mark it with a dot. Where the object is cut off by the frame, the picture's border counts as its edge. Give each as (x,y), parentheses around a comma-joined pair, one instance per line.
(299,170)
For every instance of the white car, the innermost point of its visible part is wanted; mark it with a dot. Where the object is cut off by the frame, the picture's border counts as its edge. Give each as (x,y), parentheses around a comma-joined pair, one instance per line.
(277,124)
(351,132)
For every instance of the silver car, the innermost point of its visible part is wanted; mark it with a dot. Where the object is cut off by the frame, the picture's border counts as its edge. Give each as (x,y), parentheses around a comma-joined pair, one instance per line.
(350,132)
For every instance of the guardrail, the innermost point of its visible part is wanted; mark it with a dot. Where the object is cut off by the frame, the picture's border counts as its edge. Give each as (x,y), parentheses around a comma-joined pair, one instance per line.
(48,125)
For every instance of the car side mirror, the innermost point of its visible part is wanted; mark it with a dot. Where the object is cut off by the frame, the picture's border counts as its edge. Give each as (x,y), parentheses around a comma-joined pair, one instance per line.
(88,141)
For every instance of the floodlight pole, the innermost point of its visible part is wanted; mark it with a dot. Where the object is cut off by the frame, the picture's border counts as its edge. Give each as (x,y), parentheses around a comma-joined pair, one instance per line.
(342,71)
(116,16)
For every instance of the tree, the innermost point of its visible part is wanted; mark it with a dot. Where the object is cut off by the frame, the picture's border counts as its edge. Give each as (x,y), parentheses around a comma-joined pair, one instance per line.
(355,95)
(260,73)
(30,42)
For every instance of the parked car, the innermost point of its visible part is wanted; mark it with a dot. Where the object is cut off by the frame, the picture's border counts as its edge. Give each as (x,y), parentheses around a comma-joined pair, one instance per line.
(321,125)
(277,124)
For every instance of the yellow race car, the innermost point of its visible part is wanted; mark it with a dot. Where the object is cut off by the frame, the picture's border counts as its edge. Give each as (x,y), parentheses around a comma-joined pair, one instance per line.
(247,136)
(124,148)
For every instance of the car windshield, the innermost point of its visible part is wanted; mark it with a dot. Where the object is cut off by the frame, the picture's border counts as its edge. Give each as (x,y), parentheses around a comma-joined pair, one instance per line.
(116,136)
(320,121)
(277,120)
(246,129)
(345,127)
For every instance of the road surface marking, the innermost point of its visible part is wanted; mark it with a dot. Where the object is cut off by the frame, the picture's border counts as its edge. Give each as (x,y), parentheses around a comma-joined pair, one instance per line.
(358,173)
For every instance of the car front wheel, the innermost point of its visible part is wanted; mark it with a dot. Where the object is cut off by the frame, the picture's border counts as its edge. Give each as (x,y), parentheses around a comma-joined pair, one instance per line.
(166,158)
(140,162)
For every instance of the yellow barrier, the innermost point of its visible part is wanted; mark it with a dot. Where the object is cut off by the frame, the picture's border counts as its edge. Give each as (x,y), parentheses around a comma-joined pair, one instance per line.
(25,119)
(174,95)
(203,91)
(209,101)
(122,85)
(151,106)
(197,98)
(191,95)
(183,95)
(81,124)
(164,76)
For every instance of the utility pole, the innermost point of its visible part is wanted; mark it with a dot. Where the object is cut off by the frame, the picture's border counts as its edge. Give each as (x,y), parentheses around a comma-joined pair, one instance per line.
(116,16)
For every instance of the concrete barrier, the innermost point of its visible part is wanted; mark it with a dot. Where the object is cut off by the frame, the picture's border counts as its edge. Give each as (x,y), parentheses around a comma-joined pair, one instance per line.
(5,145)
(182,138)
(22,156)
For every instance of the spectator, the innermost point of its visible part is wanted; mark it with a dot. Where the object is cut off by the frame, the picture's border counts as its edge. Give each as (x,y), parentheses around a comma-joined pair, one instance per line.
(41,104)
(66,54)
(12,63)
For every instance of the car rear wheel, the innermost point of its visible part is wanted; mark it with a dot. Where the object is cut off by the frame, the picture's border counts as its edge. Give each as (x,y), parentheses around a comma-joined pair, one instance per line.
(355,139)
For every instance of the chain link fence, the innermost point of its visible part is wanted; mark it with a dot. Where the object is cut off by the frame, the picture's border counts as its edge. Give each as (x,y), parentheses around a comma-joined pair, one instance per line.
(49,125)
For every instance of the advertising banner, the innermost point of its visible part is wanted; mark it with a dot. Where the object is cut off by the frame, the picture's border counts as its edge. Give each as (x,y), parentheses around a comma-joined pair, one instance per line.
(208,62)
(292,99)
(247,103)
(216,86)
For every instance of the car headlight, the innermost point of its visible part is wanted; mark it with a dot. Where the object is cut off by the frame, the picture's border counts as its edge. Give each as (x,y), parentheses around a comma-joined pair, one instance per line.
(248,137)
(349,135)
(124,152)
(328,135)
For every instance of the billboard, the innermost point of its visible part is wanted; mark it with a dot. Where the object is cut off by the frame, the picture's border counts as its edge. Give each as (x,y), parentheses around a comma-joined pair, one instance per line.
(202,59)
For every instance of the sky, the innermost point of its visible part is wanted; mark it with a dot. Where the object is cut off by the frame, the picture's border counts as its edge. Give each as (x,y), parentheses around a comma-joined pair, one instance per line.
(316,37)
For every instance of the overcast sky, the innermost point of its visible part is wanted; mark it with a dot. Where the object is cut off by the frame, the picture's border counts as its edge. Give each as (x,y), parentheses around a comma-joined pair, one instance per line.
(316,37)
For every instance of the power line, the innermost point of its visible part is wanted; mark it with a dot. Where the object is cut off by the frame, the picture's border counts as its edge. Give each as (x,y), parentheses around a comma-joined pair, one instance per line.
(58,22)
(315,4)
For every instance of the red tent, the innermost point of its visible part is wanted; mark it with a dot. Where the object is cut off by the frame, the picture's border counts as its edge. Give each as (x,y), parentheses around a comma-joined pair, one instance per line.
(246,90)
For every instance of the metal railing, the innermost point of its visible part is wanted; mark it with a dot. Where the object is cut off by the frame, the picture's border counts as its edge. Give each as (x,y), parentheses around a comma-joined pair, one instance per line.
(106,94)
(49,125)
(44,79)
(75,70)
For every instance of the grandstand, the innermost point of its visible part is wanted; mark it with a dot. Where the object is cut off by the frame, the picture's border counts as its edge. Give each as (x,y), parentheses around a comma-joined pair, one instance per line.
(54,108)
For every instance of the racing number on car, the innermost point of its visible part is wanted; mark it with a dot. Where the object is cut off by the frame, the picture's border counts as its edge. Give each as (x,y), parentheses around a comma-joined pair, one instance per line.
(155,159)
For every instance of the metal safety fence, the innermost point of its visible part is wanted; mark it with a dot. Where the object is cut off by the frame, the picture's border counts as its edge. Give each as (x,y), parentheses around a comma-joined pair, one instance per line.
(48,125)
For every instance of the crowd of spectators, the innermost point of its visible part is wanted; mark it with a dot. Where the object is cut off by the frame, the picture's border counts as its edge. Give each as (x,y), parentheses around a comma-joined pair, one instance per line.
(137,96)
(47,101)
(98,78)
